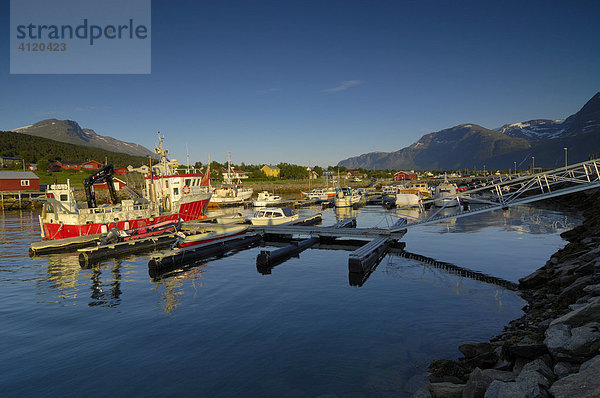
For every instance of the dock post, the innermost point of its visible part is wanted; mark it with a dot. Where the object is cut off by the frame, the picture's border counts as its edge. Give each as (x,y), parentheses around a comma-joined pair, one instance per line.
(2,201)
(20,204)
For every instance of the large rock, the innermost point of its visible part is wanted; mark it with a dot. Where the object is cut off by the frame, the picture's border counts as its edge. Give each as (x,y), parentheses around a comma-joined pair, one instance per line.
(422,393)
(532,382)
(594,290)
(499,374)
(562,369)
(584,384)
(573,345)
(477,384)
(529,351)
(471,350)
(446,390)
(501,389)
(538,366)
(557,337)
(575,289)
(535,279)
(581,316)
(480,380)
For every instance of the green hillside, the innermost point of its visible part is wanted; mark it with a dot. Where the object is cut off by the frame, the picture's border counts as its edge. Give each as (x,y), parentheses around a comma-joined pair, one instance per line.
(33,149)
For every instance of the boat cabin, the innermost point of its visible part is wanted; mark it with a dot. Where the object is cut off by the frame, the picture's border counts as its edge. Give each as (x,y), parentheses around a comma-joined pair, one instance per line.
(273,216)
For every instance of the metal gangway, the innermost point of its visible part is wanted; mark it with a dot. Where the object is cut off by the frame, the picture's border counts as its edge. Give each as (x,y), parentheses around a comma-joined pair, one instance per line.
(514,191)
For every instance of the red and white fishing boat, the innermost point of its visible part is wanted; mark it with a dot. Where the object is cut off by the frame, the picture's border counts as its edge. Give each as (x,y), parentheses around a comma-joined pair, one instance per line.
(168,195)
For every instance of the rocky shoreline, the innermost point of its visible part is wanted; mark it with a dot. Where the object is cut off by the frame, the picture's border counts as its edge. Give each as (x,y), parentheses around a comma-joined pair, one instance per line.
(553,350)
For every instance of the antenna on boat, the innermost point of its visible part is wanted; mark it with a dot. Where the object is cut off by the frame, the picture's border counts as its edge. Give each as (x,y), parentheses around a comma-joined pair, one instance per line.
(309,175)
(188,157)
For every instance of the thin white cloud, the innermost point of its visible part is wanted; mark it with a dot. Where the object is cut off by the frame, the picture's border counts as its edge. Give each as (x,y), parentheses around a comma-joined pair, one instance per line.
(268,91)
(343,86)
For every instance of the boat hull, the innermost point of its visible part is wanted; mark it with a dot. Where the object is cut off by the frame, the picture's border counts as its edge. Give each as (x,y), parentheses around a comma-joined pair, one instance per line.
(273,221)
(407,199)
(70,225)
(346,201)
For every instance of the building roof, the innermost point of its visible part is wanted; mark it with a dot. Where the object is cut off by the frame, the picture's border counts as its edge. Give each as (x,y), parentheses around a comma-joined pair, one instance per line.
(6,175)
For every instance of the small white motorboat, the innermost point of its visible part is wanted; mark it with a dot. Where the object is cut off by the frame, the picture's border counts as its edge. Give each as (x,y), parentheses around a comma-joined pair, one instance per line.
(344,197)
(273,216)
(445,195)
(265,198)
(408,197)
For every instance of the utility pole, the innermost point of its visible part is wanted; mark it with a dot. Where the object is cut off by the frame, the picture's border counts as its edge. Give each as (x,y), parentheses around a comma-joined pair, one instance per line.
(515,167)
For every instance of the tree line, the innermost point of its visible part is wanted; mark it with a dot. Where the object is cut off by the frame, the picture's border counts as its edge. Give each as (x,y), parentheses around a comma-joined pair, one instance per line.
(34,149)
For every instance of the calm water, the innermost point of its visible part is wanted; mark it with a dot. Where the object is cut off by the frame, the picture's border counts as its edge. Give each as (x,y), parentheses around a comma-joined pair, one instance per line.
(223,329)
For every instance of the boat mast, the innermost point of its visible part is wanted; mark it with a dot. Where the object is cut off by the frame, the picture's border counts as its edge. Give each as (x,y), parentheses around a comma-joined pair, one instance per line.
(188,157)
(229,179)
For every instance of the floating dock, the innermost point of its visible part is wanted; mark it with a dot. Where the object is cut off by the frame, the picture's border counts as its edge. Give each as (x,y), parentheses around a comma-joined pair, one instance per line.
(362,260)
(357,233)
(268,259)
(91,255)
(63,245)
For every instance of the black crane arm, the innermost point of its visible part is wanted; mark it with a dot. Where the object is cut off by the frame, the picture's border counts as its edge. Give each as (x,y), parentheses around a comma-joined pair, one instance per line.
(102,175)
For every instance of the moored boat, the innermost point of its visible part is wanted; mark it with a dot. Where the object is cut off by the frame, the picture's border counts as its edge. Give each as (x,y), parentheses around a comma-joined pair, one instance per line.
(169,195)
(273,216)
(190,239)
(344,197)
(230,193)
(319,194)
(445,194)
(422,187)
(408,197)
(265,198)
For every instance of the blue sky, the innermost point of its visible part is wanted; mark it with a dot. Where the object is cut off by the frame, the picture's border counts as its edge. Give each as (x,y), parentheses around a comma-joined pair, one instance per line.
(316,82)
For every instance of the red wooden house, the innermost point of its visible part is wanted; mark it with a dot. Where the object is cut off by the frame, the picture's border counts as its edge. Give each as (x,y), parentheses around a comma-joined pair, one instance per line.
(403,175)
(69,165)
(19,181)
(121,170)
(89,165)
(118,184)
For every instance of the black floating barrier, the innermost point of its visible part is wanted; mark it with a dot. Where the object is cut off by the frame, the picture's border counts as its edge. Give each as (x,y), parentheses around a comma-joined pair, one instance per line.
(179,258)
(267,259)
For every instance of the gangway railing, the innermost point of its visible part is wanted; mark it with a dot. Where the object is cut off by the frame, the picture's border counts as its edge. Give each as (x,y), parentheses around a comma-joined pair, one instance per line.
(516,191)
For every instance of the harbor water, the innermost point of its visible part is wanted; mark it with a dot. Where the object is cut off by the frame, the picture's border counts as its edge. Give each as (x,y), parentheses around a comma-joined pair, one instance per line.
(223,329)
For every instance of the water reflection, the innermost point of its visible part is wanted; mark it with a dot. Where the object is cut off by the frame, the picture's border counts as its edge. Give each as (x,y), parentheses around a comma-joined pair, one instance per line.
(410,213)
(459,283)
(341,213)
(170,289)
(110,297)
(524,219)
(62,272)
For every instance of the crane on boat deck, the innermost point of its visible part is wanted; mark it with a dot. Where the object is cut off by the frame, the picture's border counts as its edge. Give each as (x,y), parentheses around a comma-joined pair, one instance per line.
(515,191)
(99,177)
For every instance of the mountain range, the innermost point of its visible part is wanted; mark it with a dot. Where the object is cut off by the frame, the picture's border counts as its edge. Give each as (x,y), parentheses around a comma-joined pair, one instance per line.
(470,146)
(69,131)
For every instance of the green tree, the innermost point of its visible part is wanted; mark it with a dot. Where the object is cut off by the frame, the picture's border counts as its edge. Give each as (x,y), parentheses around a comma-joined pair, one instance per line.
(43,165)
